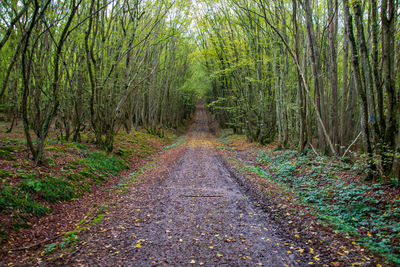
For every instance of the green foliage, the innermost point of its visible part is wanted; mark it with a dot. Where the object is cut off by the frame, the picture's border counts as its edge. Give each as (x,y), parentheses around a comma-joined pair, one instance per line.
(4,174)
(104,163)
(98,218)
(50,188)
(179,141)
(13,199)
(49,248)
(5,153)
(351,207)
(198,82)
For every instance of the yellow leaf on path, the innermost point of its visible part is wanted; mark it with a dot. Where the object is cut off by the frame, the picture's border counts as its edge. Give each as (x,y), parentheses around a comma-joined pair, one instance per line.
(311,250)
(138,245)
(311,263)
(211,247)
(192,261)
(369,234)
(220,255)
(116,252)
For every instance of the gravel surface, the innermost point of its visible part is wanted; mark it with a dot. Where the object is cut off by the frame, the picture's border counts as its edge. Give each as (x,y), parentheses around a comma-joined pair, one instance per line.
(193,212)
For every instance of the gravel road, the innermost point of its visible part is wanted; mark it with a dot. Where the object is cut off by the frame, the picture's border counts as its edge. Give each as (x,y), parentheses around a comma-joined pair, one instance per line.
(195,214)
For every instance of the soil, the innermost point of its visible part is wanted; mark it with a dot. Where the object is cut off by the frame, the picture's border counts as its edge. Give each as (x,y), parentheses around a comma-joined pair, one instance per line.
(190,210)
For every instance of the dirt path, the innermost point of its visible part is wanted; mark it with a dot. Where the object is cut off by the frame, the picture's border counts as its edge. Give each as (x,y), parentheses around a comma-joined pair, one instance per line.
(196,214)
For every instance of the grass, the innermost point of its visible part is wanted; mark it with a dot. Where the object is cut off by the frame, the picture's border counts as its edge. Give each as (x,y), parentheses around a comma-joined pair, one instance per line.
(350,205)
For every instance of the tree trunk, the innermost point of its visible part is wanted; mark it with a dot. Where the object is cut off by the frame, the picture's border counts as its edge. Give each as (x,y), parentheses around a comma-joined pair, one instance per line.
(360,90)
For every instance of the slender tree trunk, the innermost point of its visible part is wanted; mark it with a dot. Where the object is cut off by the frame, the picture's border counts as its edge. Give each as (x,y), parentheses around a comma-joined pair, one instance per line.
(315,68)
(345,91)
(388,15)
(333,77)
(360,90)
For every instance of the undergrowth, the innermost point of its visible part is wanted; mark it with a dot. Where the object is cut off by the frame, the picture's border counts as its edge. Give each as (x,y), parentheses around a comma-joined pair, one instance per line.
(27,190)
(179,140)
(351,206)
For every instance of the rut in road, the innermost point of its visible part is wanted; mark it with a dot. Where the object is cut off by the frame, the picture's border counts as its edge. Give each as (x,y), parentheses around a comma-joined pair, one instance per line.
(197,215)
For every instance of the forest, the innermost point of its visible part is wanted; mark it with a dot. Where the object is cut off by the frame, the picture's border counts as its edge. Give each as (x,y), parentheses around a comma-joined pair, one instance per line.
(320,74)
(323,74)
(315,76)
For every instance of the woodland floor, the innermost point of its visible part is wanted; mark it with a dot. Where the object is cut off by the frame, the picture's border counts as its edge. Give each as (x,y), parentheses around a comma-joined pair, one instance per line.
(190,206)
